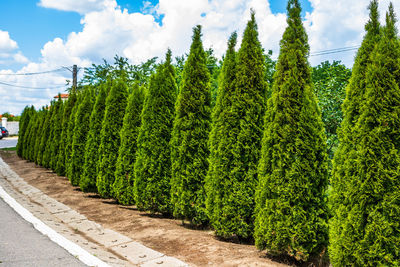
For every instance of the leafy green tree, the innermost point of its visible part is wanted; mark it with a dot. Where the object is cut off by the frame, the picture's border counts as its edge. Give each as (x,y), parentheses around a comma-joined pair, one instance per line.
(124,174)
(30,136)
(66,120)
(54,109)
(291,210)
(364,230)
(28,132)
(110,138)
(80,133)
(153,159)
(87,183)
(330,81)
(221,142)
(189,150)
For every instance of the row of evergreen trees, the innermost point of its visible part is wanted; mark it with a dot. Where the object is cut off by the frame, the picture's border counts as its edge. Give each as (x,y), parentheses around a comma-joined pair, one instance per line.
(254,166)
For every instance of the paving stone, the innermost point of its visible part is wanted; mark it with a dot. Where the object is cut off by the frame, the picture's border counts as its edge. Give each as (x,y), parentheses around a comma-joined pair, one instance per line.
(108,238)
(29,190)
(69,216)
(86,226)
(164,261)
(136,252)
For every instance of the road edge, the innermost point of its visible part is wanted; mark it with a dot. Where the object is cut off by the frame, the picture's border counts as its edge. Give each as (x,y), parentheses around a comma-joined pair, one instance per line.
(71,247)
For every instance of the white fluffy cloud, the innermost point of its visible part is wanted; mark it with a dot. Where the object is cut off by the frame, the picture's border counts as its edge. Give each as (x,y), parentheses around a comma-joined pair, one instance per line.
(81,6)
(109,30)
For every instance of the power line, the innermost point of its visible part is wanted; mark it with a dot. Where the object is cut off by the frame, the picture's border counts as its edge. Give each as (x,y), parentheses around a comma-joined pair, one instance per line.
(29,87)
(34,73)
(333,51)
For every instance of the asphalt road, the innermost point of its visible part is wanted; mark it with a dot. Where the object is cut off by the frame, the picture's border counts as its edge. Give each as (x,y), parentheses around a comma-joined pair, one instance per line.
(8,142)
(22,245)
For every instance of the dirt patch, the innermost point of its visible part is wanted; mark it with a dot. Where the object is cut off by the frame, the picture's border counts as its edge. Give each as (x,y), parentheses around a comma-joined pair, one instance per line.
(169,236)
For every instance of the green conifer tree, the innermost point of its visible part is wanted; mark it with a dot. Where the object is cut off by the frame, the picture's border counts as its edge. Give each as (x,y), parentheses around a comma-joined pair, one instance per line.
(23,124)
(153,161)
(80,133)
(124,173)
(238,152)
(30,140)
(47,152)
(87,183)
(221,141)
(57,129)
(67,112)
(110,138)
(364,230)
(26,133)
(45,136)
(291,210)
(189,150)
(42,119)
(70,135)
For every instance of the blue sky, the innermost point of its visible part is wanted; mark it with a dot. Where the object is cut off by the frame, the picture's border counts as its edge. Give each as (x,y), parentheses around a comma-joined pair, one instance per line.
(38,25)
(40,35)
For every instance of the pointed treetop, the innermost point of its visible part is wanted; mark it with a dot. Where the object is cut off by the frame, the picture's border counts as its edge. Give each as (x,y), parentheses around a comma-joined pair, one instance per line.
(232,41)
(391,20)
(168,57)
(373,24)
(293,9)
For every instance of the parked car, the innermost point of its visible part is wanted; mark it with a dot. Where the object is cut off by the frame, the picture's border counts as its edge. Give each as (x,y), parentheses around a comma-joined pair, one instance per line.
(4,132)
(1,135)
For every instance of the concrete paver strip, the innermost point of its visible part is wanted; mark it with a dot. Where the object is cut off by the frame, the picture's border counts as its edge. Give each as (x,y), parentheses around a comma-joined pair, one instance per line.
(69,223)
(136,252)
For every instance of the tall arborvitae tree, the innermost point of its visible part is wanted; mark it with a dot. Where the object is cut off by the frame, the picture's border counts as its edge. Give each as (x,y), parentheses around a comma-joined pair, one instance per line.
(189,150)
(231,203)
(23,124)
(364,230)
(30,139)
(124,174)
(221,141)
(42,119)
(56,134)
(26,132)
(80,133)
(291,210)
(45,135)
(344,157)
(67,112)
(70,135)
(54,108)
(87,183)
(153,160)
(110,138)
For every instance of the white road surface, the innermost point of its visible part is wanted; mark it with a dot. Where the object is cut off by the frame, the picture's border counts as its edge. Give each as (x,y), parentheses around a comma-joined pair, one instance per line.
(8,142)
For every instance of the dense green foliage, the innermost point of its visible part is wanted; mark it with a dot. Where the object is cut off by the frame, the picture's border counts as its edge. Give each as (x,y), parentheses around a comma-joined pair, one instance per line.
(233,174)
(56,134)
(26,115)
(221,142)
(291,211)
(87,182)
(110,138)
(124,174)
(364,230)
(189,150)
(70,135)
(80,133)
(67,110)
(153,160)
(330,81)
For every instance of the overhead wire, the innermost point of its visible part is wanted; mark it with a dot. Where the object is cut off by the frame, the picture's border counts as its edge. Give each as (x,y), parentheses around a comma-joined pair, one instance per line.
(30,87)
(32,73)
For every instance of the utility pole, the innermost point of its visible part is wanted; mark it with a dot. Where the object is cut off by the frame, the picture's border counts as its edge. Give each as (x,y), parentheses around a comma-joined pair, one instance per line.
(74,77)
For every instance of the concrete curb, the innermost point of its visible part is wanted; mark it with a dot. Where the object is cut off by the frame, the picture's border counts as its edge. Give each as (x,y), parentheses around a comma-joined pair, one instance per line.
(72,248)
(133,252)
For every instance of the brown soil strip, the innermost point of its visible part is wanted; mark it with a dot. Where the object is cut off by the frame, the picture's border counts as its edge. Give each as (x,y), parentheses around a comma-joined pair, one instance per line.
(168,236)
